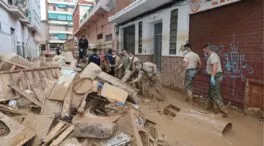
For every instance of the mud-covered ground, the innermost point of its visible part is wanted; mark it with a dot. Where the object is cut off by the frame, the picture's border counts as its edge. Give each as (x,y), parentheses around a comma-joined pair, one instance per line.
(246,131)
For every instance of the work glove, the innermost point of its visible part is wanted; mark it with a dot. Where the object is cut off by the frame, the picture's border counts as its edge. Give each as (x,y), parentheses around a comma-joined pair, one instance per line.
(212,80)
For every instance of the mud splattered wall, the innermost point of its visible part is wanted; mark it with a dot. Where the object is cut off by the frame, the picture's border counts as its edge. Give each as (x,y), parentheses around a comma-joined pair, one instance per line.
(237,32)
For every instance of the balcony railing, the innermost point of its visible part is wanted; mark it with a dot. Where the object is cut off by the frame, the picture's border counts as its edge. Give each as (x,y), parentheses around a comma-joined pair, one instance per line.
(21,5)
(87,12)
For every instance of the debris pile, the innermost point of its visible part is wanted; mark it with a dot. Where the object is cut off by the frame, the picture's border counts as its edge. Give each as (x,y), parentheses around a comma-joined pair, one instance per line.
(59,106)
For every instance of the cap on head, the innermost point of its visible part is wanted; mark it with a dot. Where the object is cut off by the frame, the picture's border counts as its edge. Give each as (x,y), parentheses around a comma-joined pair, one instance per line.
(187,46)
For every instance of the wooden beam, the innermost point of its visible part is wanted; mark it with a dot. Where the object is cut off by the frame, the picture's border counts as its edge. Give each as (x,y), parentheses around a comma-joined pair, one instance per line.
(13,68)
(1,64)
(30,98)
(53,133)
(63,136)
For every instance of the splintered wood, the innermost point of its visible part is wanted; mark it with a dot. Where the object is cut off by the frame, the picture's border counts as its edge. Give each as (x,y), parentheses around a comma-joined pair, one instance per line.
(60,132)
(60,90)
(18,134)
(40,124)
(13,61)
(23,80)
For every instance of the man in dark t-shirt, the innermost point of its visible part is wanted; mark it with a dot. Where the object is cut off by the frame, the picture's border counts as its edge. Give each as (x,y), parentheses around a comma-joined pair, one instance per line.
(95,58)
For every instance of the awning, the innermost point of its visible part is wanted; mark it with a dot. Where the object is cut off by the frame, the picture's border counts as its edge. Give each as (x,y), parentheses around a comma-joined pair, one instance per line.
(136,8)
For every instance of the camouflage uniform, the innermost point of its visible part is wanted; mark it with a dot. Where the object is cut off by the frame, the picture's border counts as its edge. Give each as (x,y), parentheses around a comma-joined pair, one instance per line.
(214,95)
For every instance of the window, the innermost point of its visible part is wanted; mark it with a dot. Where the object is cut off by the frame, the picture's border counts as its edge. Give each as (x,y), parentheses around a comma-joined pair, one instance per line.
(140,37)
(173,32)
(66,28)
(54,8)
(99,36)
(108,37)
(0,27)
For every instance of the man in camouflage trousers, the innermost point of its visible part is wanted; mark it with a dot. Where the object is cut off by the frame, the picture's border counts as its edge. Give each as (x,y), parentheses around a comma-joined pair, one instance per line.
(214,69)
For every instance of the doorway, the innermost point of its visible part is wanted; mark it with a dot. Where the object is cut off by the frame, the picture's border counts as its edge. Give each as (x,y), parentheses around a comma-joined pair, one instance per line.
(158,44)
(129,39)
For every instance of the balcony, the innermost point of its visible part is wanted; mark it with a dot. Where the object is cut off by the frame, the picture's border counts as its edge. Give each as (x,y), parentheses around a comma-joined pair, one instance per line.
(18,8)
(93,14)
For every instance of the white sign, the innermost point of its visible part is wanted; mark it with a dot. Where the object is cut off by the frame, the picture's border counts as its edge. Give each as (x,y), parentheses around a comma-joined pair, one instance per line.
(202,5)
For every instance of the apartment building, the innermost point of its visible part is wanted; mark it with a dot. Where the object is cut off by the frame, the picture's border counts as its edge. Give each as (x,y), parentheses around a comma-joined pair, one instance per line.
(80,12)
(94,23)
(59,21)
(19,29)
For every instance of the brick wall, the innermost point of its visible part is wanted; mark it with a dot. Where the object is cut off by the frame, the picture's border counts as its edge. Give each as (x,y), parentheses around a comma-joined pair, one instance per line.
(239,24)
(101,26)
(76,17)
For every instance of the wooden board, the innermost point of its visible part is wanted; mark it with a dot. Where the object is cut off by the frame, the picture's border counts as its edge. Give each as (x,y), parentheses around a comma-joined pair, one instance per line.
(17,60)
(40,124)
(53,133)
(4,108)
(62,136)
(127,124)
(67,102)
(18,135)
(26,77)
(23,93)
(118,83)
(8,93)
(114,94)
(62,85)
(39,93)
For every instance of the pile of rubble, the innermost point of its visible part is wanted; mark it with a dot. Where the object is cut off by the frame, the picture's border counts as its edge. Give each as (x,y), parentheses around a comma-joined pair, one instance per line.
(60,106)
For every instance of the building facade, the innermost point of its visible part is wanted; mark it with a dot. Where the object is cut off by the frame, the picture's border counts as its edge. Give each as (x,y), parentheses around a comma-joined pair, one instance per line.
(19,29)
(59,21)
(81,8)
(156,31)
(94,23)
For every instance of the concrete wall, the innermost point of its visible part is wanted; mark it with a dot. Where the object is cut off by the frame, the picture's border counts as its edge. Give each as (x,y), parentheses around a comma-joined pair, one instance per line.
(34,9)
(22,36)
(148,30)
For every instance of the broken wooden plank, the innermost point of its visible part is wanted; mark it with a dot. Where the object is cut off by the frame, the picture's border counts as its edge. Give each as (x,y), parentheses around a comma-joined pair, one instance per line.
(18,77)
(1,64)
(13,68)
(8,93)
(30,98)
(67,102)
(18,134)
(62,136)
(127,124)
(118,83)
(49,74)
(40,124)
(39,93)
(59,91)
(49,86)
(8,109)
(114,94)
(53,133)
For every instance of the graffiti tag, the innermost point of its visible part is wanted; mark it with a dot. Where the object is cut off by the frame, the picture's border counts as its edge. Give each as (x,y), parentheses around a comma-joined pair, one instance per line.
(235,63)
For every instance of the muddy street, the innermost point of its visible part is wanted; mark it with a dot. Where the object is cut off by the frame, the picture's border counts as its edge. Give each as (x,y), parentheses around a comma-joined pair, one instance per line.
(246,131)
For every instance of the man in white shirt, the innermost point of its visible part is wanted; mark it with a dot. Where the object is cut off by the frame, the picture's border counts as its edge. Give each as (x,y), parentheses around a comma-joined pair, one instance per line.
(214,69)
(192,64)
